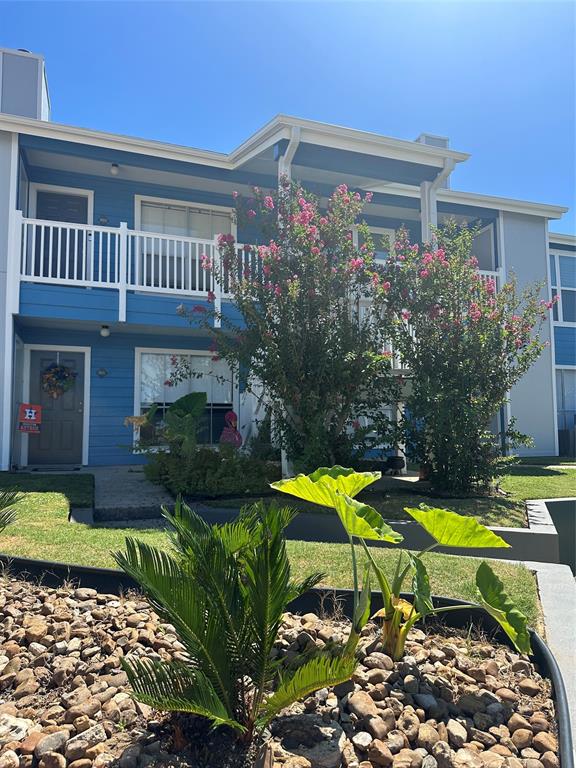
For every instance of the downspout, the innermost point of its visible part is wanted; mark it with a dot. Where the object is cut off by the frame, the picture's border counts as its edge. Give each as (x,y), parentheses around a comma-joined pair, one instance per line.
(285,161)
(428,189)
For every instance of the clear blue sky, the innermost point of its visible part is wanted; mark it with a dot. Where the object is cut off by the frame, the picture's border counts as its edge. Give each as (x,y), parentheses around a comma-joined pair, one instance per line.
(498,78)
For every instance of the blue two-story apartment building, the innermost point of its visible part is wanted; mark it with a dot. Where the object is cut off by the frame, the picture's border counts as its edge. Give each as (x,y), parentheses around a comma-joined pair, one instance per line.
(102,237)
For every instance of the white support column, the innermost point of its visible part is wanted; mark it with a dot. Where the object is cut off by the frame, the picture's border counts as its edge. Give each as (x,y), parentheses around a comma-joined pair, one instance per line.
(14,262)
(9,285)
(122,271)
(217,271)
(428,210)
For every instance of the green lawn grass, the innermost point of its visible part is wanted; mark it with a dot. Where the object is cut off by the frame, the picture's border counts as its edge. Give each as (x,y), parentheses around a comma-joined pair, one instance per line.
(540,482)
(41,531)
(548,461)
(78,489)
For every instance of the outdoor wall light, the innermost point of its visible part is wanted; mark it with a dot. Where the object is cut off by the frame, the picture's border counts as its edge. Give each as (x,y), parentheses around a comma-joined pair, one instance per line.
(114,169)
(105,331)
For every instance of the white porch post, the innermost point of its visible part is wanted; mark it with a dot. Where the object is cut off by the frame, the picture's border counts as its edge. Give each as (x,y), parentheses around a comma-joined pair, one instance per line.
(216,285)
(9,284)
(285,169)
(428,210)
(122,271)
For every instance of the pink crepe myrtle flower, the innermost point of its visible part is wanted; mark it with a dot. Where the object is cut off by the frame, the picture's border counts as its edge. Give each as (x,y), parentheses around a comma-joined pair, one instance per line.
(199,309)
(424,273)
(235,194)
(342,189)
(475,312)
(323,221)
(269,203)
(406,314)
(356,263)
(211,296)
(315,250)
(386,285)
(368,197)
(490,286)
(251,213)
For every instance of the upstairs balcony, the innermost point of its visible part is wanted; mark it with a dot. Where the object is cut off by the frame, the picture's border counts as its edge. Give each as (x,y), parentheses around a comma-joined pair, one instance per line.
(125,260)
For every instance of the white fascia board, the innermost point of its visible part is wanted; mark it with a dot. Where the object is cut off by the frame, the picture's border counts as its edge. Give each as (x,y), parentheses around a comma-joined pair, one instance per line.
(279,128)
(561,239)
(71,133)
(502,203)
(475,200)
(354,140)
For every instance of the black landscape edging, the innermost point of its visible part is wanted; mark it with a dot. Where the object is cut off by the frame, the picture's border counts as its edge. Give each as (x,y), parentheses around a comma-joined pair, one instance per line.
(113,581)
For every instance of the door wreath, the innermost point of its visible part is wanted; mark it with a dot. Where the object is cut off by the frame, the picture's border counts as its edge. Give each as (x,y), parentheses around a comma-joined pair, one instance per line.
(58,379)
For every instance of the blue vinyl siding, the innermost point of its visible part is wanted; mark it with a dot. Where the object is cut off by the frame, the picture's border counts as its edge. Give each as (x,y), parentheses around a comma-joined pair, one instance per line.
(68,302)
(111,396)
(65,302)
(565,345)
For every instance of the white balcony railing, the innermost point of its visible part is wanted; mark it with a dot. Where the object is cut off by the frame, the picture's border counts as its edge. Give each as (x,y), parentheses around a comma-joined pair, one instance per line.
(127,260)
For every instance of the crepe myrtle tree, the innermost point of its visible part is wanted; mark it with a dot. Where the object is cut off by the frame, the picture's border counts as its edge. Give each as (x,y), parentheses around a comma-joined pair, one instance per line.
(466,344)
(305,334)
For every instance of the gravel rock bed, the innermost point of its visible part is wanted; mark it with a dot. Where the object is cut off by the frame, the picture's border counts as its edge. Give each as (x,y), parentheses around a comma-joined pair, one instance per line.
(455,701)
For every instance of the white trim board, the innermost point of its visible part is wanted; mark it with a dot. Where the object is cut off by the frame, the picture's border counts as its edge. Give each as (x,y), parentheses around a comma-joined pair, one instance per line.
(35,187)
(28,348)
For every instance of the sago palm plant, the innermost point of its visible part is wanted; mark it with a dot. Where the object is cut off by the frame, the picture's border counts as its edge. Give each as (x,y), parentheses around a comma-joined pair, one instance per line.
(225,589)
(9,499)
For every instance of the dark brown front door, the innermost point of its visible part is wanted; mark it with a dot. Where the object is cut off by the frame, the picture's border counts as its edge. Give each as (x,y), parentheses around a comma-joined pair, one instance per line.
(60,251)
(60,438)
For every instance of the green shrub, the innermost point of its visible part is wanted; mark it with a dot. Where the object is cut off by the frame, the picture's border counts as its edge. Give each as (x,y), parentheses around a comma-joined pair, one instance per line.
(211,471)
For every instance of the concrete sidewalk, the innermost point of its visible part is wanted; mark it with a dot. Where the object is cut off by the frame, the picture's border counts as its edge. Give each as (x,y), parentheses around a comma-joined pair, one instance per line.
(124,492)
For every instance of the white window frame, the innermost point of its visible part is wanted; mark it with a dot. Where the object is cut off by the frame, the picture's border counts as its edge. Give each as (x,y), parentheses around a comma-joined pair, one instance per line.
(28,348)
(559,288)
(490,226)
(139,351)
(391,233)
(139,199)
(34,188)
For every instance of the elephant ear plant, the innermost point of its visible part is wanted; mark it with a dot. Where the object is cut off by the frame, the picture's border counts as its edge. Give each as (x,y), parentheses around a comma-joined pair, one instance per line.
(336,487)
(225,589)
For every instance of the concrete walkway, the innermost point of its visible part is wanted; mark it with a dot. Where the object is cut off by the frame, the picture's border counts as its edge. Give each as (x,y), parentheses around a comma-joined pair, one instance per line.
(122,493)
